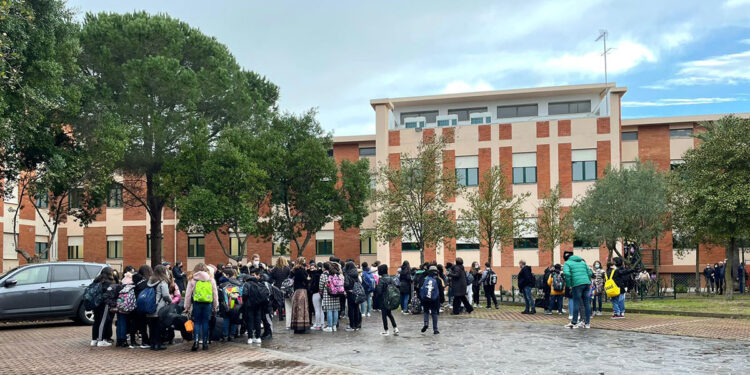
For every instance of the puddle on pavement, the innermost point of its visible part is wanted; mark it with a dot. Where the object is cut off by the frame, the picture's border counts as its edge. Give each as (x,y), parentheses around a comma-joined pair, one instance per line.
(274,363)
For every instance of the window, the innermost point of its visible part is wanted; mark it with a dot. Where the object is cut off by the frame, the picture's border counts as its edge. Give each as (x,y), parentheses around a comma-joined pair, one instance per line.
(675,163)
(409,246)
(524,168)
(629,136)
(522,110)
(330,152)
(527,236)
(75,252)
(323,247)
(430,116)
(74,198)
(526,243)
(196,247)
(367,244)
(42,201)
(280,249)
(680,133)
(464,113)
(678,242)
(41,249)
(65,273)
(33,275)
(447,122)
(367,151)
(13,197)
(584,165)
(92,272)
(466,243)
(234,246)
(580,243)
(114,249)
(467,170)
(563,108)
(114,199)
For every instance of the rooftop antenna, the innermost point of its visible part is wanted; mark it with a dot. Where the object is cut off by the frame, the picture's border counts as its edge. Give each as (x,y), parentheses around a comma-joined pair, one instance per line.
(603,37)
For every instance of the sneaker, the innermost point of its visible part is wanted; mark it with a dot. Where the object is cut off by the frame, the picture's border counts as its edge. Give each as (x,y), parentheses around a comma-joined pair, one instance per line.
(621,316)
(587,326)
(257,341)
(563,310)
(326,329)
(131,347)
(442,309)
(435,332)
(614,316)
(93,342)
(103,344)
(335,328)
(395,331)
(569,325)
(369,315)
(570,317)
(424,329)
(349,329)
(384,333)
(144,346)
(250,341)
(547,312)
(363,315)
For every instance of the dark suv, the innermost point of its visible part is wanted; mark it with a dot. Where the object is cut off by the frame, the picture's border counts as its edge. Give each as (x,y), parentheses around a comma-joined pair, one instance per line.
(47,291)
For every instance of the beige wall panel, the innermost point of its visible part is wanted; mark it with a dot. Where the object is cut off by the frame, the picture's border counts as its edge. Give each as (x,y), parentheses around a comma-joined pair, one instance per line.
(531,256)
(524,137)
(469,256)
(580,188)
(678,147)
(687,259)
(629,151)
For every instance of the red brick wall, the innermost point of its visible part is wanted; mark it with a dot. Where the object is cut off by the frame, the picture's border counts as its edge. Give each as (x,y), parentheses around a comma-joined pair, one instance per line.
(95,244)
(449,135)
(395,250)
(394,160)
(653,145)
(394,138)
(567,246)
(345,243)
(565,169)
(449,166)
(182,242)
(449,244)
(603,157)
(168,214)
(506,131)
(428,135)
(485,132)
(563,128)
(26,240)
(214,254)
(27,209)
(602,125)
(62,244)
(506,255)
(168,243)
(485,162)
(506,163)
(430,253)
(542,129)
(102,215)
(542,170)
(134,245)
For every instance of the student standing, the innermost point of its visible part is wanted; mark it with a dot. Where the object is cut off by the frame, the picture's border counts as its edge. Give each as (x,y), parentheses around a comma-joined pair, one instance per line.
(458,280)
(102,326)
(430,300)
(488,281)
(525,283)
(599,292)
(556,282)
(331,304)
(140,280)
(578,276)
(158,281)
(380,293)
(300,319)
(404,276)
(201,298)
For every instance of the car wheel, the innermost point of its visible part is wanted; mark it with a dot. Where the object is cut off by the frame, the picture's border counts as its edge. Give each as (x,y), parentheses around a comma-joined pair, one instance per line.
(85,316)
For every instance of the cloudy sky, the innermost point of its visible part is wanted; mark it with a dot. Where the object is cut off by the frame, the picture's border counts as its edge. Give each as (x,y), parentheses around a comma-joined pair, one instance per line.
(675,57)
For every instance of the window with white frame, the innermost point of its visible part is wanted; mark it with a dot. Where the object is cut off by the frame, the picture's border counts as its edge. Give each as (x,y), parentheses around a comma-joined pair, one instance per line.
(324,242)
(466,243)
(584,164)
(75,247)
(527,238)
(114,247)
(524,168)
(467,170)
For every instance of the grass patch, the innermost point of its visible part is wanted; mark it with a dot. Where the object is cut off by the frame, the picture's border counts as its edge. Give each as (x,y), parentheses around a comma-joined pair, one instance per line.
(713,304)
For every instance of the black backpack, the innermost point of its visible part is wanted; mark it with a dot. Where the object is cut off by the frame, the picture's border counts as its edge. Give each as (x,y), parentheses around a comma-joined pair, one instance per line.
(491,279)
(255,294)
(277,297)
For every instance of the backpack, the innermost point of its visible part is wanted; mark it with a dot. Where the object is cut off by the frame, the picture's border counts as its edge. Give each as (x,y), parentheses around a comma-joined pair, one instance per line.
(359,293)
(256,293)
(557,282)
(277,298)
(391,297)
(368,282)
(469,278)
(539,281)
(429,289)
(146,301)
(126,299)
(92,296)
(335,285)
(491,279)
(610,286)
(203,291)
(287,288)
(232,296)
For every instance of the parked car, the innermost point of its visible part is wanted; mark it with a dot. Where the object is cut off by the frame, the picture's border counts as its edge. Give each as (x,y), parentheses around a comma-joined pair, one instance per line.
(47,291)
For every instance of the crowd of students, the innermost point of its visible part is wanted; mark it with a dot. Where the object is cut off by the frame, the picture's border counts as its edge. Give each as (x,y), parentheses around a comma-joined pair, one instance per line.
(224,302)
(715,277)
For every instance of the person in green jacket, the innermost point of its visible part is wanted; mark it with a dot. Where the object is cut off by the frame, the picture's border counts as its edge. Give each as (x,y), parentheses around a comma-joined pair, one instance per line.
(578,276)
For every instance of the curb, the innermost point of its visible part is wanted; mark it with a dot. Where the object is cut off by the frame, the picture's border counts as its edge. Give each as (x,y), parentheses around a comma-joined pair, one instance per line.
(666,312)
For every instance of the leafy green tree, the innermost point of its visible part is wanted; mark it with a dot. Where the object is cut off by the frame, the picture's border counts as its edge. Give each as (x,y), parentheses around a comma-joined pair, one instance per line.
(411,199)
(715,182)
(306,192)
(493,213)
(627,206)
(164,82)
(554,226)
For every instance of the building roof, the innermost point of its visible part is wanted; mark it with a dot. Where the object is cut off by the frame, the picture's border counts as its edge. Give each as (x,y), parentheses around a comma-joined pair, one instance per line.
(597,88)
(678,119)
(354,138)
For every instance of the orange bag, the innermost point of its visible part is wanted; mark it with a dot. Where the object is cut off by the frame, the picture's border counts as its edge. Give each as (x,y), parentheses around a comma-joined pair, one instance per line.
(189,326)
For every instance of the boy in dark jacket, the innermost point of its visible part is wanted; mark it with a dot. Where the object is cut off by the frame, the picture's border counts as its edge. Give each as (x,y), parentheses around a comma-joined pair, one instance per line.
(255,298)
(526,281)
(458,282)
(621,277)
(379,297)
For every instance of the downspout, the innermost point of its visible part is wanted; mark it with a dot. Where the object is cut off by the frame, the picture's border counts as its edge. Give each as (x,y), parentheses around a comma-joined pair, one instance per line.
(175,237)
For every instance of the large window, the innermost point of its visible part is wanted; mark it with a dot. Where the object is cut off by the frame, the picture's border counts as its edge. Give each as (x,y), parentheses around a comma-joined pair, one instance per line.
(584,165)
(526,243)
(367,244)
(234,246)
(367,151)
(629,136)
(75,252)
(466,243)
(114,247)
(464,113)
(41,249)
(675,163)
(563,108)
(74,198)
(409,246)
(42,201)
(467,170)
(583,244)
(680,133)
(430,116)
(527,238)
(323,247)
(114,198)
(66,272)
(196,247)
(521,110)
(524,168)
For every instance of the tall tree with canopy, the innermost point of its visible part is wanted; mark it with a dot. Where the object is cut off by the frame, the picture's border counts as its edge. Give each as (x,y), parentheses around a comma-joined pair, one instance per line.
(164,82)
(715,186)
(554,225)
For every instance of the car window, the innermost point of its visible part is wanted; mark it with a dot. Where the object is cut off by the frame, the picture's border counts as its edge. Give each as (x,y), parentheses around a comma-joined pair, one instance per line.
(93,271)
(68,272)
(32,275)
(82,274)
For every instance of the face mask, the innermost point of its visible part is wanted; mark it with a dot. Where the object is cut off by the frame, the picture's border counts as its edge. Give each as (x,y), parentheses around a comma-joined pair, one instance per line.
(256,263)
(597,266)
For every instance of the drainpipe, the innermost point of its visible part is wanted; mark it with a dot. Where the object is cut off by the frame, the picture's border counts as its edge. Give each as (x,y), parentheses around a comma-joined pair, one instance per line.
(175,237)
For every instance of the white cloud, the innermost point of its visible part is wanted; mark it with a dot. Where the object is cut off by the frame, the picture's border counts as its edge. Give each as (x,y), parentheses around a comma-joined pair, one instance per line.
(736,3)
(462,86)
(655,87)
(625,55)
(745,41)
(675,102)
(728,69)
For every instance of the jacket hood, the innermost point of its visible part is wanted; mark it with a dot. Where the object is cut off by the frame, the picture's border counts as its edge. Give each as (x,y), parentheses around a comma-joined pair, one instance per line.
(201,276)
(575,258)
(152,282)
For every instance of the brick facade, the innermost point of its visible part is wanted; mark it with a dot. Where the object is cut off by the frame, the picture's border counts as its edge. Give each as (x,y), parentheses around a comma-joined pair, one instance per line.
(603,157)
(485,132)
(394,138)
(506,164)
(506,131)
(602,125)
(95,244)
(542,129)
(485,162)
(563,128)
(449,167)
(449,135)
(542,170)
(565,169)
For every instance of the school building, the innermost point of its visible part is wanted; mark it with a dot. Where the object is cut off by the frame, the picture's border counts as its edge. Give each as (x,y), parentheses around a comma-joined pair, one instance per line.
(542,137)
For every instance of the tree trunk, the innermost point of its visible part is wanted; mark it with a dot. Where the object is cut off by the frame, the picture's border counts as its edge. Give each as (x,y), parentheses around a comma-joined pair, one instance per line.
(697,269)
(421,254)
(728,267)
(155,205)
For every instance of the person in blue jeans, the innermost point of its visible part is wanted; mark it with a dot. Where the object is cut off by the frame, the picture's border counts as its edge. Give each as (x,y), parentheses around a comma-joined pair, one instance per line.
(404,277)
(368,284)
(578,276)
(525,282)
(201,298)
(620,275)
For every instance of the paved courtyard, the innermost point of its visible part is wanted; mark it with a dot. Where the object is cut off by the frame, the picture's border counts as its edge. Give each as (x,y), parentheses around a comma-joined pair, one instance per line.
(491,341)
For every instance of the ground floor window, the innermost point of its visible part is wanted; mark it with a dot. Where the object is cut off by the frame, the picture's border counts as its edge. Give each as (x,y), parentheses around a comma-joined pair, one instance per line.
(324,247)
(41,249)
(75,252)
(114,249)
(196,247)
(526,243)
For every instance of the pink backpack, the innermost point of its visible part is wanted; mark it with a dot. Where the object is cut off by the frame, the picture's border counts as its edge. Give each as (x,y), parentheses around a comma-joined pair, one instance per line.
(335,285)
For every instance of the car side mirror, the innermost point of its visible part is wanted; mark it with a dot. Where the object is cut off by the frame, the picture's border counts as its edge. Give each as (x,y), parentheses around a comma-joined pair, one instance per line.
(10,282)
